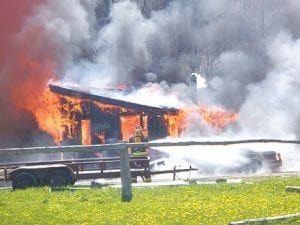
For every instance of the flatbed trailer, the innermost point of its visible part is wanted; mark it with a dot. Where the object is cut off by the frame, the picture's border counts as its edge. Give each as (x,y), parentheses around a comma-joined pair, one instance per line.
(67,172)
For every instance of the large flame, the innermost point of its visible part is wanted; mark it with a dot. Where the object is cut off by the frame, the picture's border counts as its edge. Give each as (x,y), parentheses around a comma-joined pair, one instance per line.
(32,94)
(62,119)
(45,109)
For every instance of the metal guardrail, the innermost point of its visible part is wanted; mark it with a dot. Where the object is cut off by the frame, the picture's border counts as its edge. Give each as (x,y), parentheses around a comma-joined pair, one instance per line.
(125,145)
(124,158)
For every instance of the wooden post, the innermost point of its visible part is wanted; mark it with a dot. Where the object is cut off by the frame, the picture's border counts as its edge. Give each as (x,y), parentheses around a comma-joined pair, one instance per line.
(5,174)
(174,173)
(125,175)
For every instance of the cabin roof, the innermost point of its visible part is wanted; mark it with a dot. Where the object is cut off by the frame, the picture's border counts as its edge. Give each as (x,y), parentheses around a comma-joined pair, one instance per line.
(103,96)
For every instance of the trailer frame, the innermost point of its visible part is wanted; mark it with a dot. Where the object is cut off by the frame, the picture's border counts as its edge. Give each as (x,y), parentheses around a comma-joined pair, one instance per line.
(79,169)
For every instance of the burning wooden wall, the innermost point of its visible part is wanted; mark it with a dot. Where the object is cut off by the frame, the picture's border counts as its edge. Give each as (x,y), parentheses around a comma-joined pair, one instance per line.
(96,119)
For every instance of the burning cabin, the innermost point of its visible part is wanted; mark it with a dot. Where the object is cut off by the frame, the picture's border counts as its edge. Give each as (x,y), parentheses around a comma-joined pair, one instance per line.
(96,117)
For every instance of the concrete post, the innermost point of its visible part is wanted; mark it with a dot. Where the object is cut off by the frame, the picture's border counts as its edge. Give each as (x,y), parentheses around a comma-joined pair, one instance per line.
(125,175)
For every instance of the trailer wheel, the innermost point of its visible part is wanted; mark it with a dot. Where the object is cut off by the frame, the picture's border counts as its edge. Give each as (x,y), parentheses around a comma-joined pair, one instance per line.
(24,180)
(59,178)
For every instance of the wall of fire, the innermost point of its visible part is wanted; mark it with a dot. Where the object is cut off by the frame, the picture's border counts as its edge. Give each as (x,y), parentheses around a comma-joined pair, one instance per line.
(89,122)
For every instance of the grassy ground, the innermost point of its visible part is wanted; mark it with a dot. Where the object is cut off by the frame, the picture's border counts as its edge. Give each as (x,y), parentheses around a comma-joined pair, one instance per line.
(195,204)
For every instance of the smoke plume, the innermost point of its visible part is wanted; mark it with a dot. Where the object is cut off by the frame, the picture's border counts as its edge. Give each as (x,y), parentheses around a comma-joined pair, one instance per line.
(246,50)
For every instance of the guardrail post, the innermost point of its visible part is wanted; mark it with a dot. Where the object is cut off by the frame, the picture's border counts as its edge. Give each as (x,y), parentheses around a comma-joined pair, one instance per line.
(125,175)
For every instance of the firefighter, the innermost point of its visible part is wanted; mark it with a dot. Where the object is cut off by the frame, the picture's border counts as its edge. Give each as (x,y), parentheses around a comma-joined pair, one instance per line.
(139,137)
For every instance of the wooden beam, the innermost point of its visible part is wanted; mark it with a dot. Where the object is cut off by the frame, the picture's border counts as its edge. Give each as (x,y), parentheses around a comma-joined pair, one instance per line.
(125,175)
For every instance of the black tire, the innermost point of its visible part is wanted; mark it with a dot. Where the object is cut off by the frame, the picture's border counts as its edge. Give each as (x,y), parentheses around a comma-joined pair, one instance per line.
(24,180)
(59,178)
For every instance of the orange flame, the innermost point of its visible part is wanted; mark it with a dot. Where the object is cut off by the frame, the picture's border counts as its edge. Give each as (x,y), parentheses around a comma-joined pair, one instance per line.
(47,114)
(175,123)
(71,107)
(216,117)
(86,132)
(33,95)
(128,124)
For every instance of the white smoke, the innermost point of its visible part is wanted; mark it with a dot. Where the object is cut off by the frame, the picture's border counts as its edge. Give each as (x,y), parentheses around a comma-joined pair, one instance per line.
(272,108)
(231,159)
